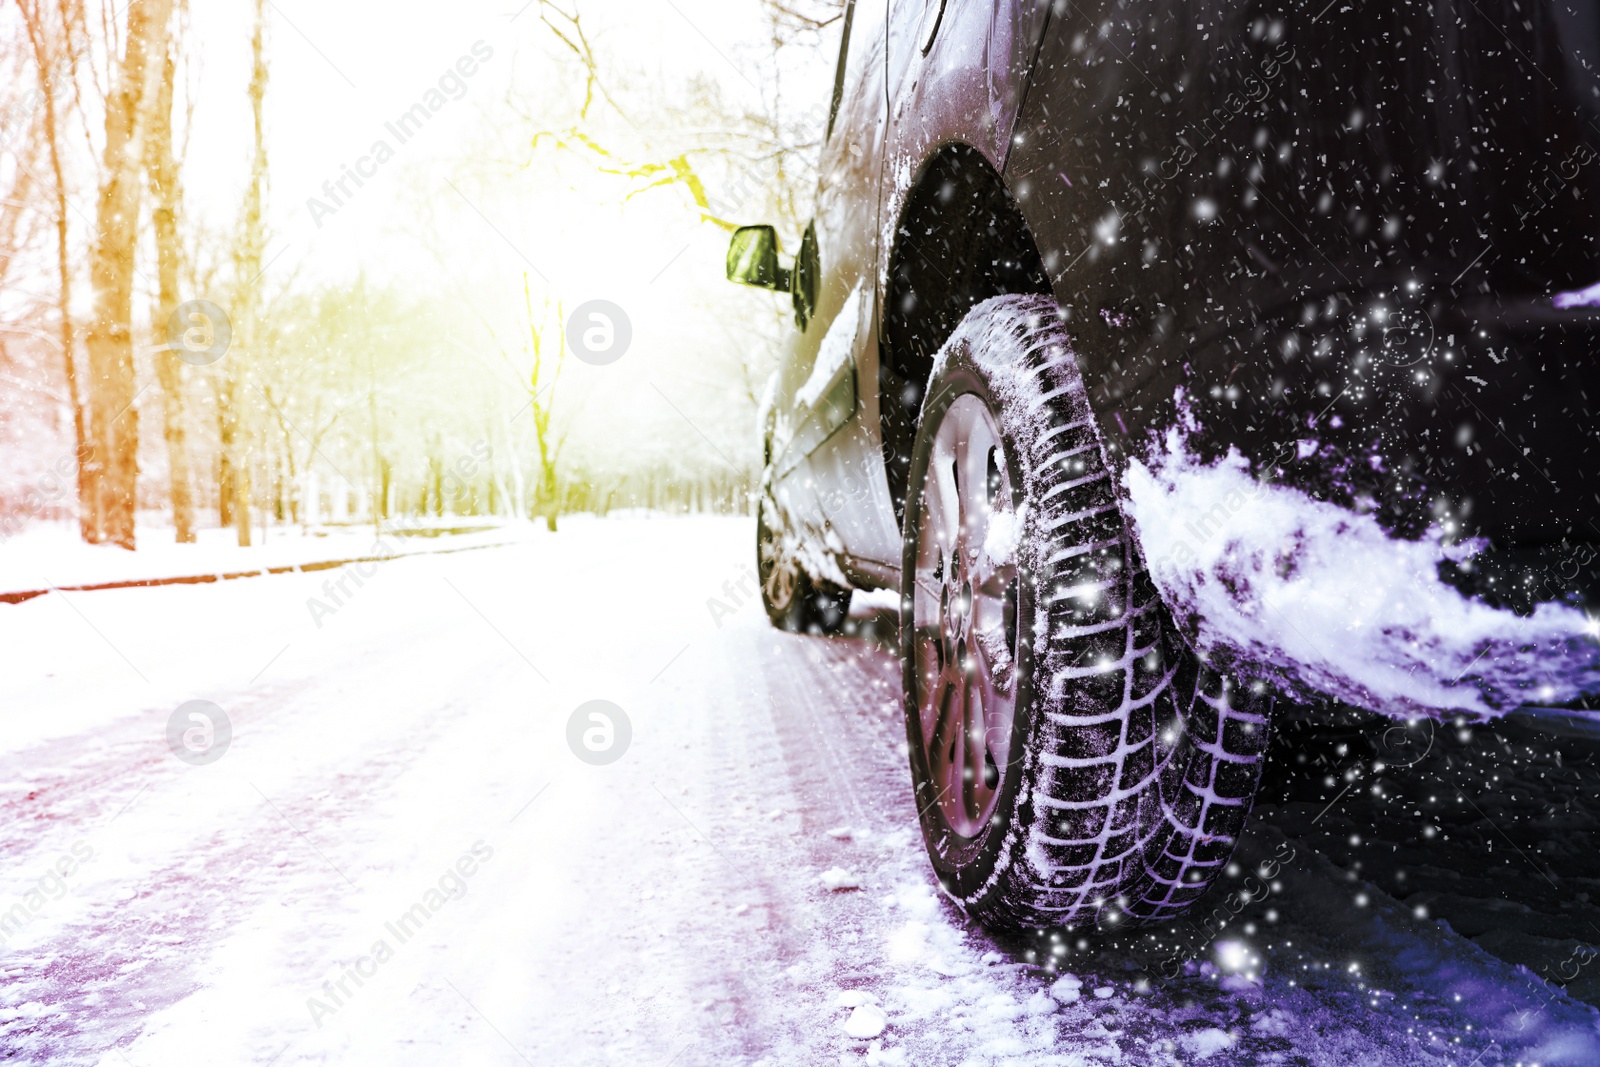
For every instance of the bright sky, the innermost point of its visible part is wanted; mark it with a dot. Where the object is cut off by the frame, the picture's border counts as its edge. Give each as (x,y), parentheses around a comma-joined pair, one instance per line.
(339,76)
(447,214)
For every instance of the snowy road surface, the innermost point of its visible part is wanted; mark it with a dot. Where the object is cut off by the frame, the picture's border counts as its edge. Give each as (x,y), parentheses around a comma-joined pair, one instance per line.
(400,859)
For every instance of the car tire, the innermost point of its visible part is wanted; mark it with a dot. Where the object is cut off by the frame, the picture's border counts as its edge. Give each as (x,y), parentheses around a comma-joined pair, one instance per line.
(794,600)
(1075,764)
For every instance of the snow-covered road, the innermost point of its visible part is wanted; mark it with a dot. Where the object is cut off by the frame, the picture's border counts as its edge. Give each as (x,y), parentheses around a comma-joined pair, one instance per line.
(400,858)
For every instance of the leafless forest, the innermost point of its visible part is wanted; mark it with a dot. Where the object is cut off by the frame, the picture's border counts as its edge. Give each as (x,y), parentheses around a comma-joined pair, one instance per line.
(167,368)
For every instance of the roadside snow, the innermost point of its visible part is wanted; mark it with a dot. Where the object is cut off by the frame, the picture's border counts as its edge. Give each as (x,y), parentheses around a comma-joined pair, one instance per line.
(52,554)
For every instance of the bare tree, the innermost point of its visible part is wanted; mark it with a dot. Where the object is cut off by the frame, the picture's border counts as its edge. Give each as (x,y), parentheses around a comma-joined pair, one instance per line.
(771,149)
(544,373)
(53,61)
(113,465)
(162,172)
(735,164)
(567,27)
(235,468)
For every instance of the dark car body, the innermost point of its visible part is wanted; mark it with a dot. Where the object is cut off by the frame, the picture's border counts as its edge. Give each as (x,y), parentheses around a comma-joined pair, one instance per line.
(1338,231)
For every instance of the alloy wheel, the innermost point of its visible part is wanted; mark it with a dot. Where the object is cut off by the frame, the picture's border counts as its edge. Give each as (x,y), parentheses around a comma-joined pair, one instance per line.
(965,606)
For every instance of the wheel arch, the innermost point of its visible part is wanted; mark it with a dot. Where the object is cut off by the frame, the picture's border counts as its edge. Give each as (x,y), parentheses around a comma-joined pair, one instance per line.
(960,239)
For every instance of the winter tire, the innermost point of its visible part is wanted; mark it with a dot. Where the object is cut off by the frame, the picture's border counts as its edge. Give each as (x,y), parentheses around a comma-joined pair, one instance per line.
(1074,763)
(794,601)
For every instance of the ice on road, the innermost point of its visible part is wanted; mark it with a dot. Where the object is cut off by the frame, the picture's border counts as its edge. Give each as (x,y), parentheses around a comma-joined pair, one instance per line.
(412,850)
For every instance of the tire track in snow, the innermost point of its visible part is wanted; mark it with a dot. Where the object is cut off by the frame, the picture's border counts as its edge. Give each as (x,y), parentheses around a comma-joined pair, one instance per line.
(95,981)
(840,763)
(608,928)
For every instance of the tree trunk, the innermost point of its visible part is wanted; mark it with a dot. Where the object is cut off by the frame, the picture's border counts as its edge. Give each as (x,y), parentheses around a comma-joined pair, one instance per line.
(45,61)
(113,467)
(385,488)
(541,408)
(162,170)
(547,488)
(247,266)
(227,430)
(233,474)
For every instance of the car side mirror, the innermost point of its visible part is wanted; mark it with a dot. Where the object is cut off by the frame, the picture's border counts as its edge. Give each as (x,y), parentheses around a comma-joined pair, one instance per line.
(753,259)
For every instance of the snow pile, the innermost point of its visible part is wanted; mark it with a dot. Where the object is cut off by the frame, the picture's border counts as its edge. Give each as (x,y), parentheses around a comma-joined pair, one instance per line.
(1204,1044)
(1067,989)
(866,1020)
(1320,600)
(837,878)
(1578,298)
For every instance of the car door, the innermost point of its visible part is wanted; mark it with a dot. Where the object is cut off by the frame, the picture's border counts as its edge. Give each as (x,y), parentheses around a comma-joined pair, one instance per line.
(841,457)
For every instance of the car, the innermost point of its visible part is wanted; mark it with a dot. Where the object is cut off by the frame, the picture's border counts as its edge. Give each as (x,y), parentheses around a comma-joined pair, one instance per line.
(1352,247)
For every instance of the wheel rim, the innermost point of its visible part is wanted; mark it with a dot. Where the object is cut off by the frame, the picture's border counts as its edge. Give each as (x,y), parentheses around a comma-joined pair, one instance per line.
(965,608)
(779,570)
